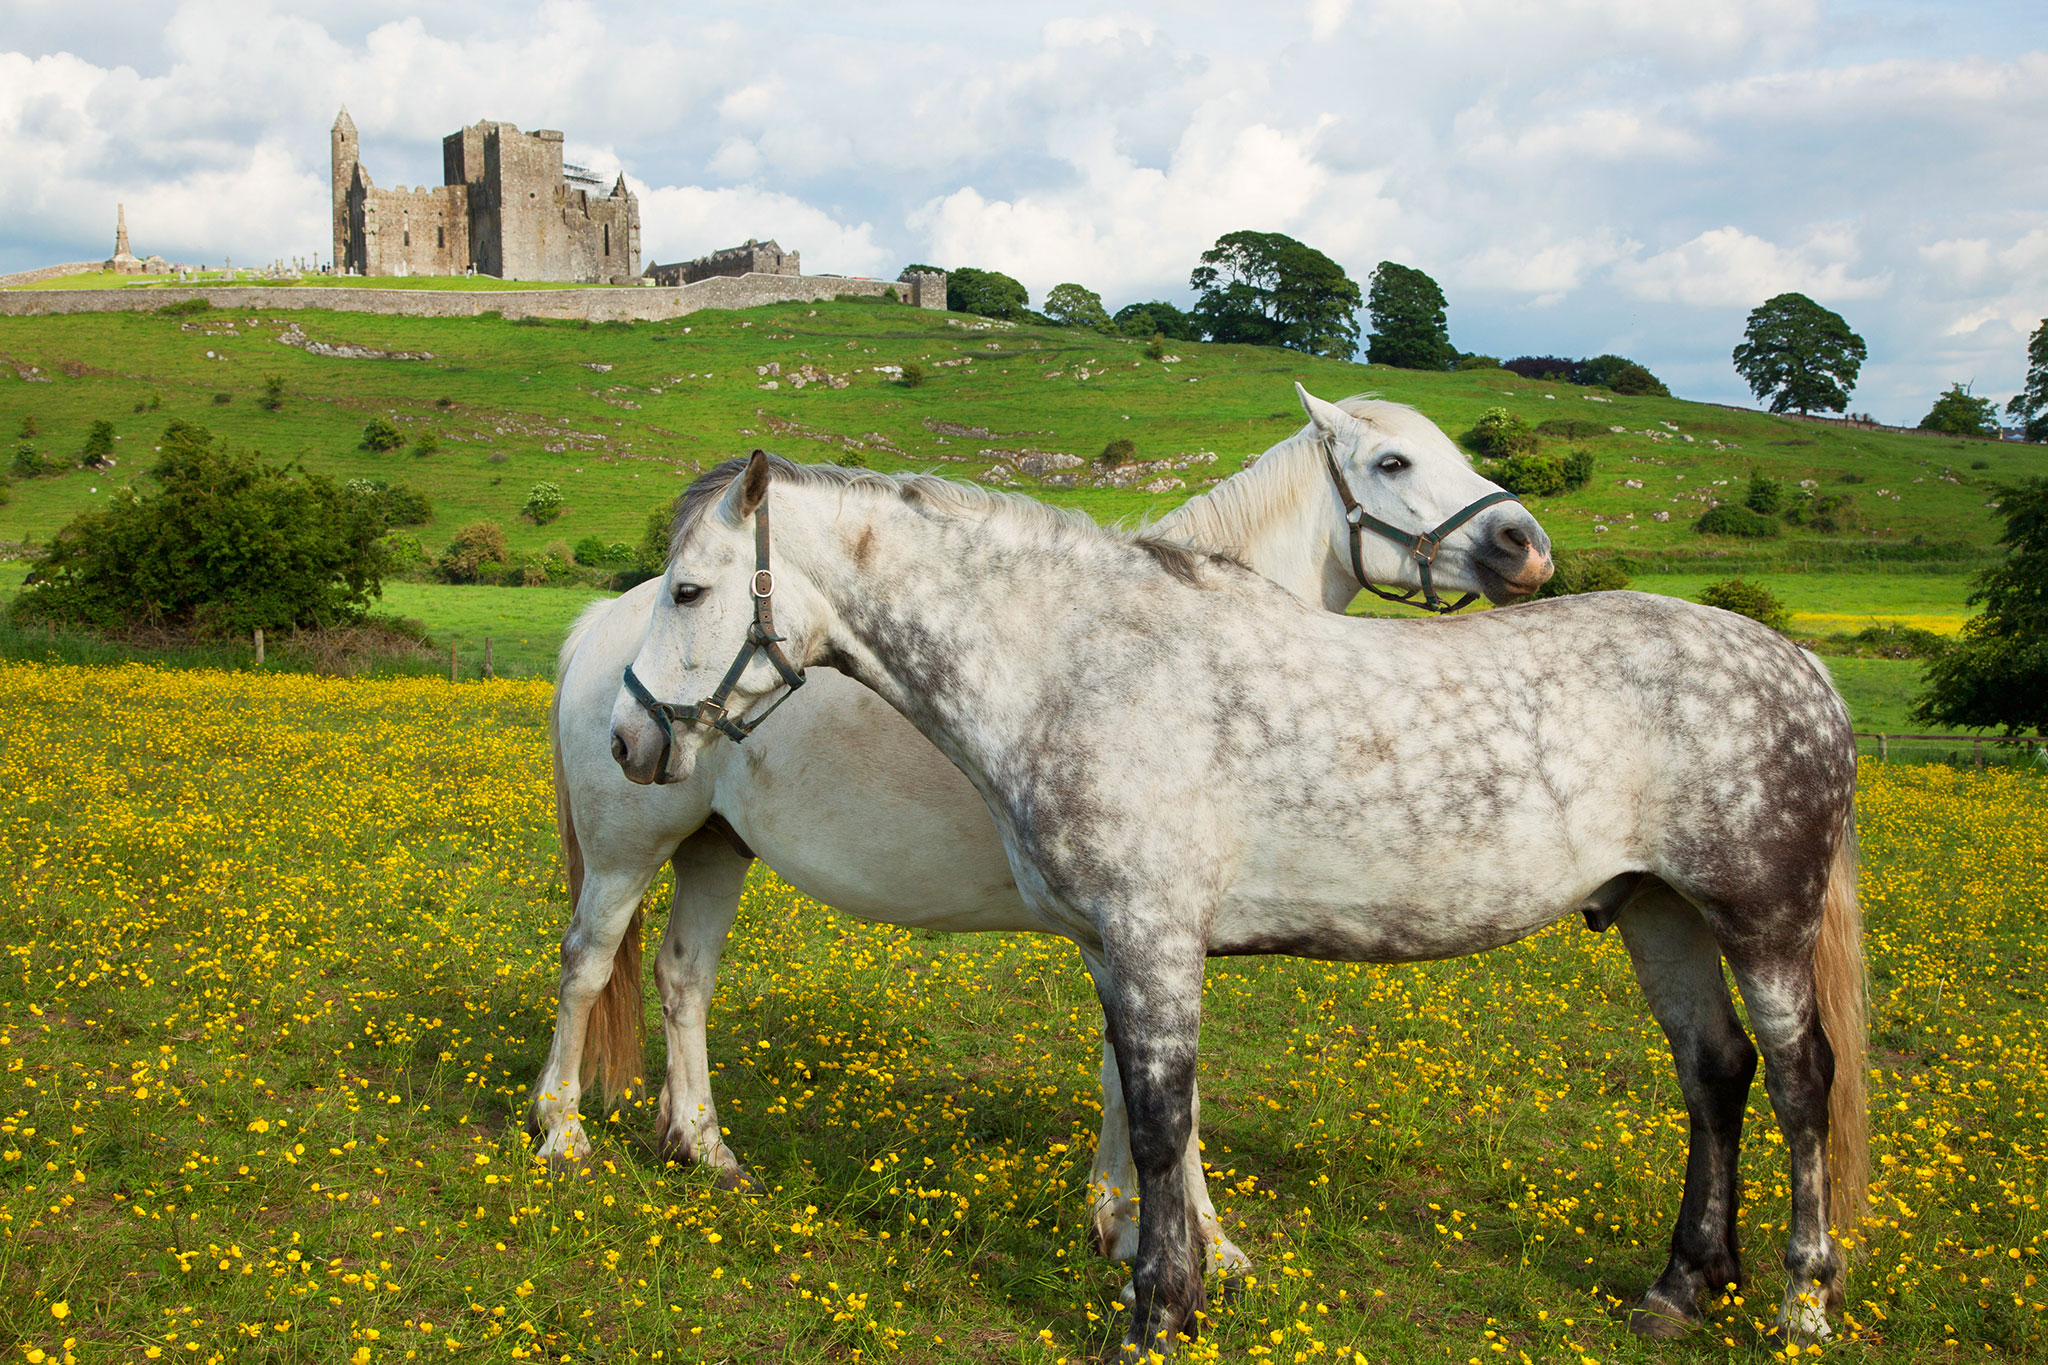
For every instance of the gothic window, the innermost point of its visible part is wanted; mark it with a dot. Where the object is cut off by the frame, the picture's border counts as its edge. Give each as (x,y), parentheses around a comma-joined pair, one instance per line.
(408,236)
(441,236)
(607,239)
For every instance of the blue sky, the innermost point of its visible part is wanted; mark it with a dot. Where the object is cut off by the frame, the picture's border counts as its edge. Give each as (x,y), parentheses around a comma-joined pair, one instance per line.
(1580,175)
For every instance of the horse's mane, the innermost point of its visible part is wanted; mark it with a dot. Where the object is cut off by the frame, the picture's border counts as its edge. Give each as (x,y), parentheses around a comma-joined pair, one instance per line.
(1226,515)
(945,498)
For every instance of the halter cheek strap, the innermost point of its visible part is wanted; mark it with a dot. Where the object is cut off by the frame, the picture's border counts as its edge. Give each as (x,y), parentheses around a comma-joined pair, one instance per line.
(715,710)
(1421,545)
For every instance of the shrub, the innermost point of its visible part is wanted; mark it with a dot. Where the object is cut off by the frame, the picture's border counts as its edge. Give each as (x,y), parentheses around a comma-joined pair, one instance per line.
(397,504)
(599,554)
(1570,428)
(1765,495)
(1554,367)
(273,393)
(221,400)
(1745,598)
(185,308)
(989,293)
(1577,468)
(1621,375)
(380,435)
(913,374)
(1120,451)
(224,542)
(1156,318)
(1823,512)
(1479,362)
(1500,434)
(29,463)
(1580,571)
(1980,464)
(1530,476)
(99,442)
(444,402)
(426,443)
(28,429)
(1733,519)
(651,555)
(543,503)
(850,459)
(475,546)
(1891,641)
(1155,349)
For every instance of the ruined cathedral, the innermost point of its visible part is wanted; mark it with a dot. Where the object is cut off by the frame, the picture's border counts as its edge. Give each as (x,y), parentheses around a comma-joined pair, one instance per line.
(507,206)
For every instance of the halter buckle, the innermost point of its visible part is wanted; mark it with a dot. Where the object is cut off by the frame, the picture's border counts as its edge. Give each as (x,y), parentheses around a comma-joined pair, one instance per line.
(764,576)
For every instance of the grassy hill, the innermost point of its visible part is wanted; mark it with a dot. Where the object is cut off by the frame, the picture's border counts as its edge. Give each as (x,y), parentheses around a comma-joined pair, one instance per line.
(622,416)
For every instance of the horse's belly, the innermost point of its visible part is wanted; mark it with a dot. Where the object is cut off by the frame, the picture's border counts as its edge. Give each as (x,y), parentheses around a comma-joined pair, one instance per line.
(1383,933)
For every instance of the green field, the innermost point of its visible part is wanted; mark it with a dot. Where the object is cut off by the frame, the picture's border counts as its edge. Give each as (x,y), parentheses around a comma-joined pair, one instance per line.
(106,279)
(280,969)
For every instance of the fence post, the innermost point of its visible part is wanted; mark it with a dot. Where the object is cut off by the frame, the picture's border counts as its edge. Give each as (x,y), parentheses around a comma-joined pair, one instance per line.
(1978,747)
(1884,750)
(453,674)
(259,646)
(487,657)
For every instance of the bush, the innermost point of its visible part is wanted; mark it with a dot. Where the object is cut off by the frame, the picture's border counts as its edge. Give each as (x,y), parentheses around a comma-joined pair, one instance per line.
(651,555)
(1570,428)
(474,550)
(1156,319)
(273,393)
(594,553)
(1530,476)
(380,435)
(1551,367)
(1584,571)
(987,293)
(1980,464)
(1823,512)
(543,504)
(1479,362)
(1765,495)
(1619,374)
(29,463)
(444,402)
(397,504)
(221,400)
(99,442)
(426,443)
(1577,468)
(28,429)
(1898,642)
(185,308)
(1745,598)
(1120,451)
(850,459)
(224,543)
(6,492)
(913,374)
(1733,519)
(1155,349)
(1499,434)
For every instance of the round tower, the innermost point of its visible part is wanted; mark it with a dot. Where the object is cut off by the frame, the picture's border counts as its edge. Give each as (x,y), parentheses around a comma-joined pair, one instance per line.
(346,155)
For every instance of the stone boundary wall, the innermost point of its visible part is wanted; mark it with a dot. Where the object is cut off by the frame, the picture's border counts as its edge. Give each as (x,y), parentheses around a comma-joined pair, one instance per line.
(48,272)
(626,303)
(1855,423)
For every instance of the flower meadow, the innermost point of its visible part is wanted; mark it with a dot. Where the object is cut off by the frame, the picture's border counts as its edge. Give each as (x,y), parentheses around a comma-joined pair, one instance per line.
(280,958)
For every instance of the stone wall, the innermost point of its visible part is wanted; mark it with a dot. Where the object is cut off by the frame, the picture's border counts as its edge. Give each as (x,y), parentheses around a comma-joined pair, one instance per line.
(48,272)
(629,304)
(749,258)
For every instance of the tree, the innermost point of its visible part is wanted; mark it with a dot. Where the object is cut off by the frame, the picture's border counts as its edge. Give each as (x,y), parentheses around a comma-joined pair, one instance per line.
(1622,375)
(1799,355)
(1071,305)
(224,542)
(1996,674)
(1408,327)
(1157,318)
(1266,289)
(1745,598)
(1959,413)
(985,293)
(2030,404)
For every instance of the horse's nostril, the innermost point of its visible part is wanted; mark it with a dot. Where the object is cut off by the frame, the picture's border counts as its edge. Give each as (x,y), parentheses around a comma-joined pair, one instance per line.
(618,748)
(1515,536)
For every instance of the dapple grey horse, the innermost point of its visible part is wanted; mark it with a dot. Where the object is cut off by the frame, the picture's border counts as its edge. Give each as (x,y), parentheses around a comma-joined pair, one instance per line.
(1186,761)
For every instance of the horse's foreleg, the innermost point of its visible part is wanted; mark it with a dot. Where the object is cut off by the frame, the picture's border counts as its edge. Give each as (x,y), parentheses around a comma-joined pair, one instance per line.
(1113,1183)
(1153,1001)
(709,879)
(1799,1068)
(1678,964)
(604,910)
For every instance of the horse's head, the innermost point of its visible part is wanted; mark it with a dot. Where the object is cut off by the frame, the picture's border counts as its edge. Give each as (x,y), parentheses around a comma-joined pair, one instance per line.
(1408,477)
(724,629)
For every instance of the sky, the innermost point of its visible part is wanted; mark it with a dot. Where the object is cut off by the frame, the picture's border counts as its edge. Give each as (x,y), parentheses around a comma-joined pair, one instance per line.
(1580,176)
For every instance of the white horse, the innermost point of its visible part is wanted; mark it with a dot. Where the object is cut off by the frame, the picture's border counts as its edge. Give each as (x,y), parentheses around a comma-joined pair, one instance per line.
(1185,761)
(854,808)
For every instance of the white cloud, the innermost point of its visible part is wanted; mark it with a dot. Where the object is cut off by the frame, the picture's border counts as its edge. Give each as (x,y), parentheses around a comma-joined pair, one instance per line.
(683,222)
(1725,267)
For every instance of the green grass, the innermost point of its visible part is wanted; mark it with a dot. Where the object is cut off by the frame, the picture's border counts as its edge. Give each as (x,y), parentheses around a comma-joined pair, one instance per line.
(281,968)
(524,625)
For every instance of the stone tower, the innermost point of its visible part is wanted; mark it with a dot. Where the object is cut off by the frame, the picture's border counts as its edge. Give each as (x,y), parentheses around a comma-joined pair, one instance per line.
(121,232)
(346,156)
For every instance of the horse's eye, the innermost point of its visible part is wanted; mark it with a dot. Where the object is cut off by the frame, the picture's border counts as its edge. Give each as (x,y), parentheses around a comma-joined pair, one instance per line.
(688,594)
(1393,464)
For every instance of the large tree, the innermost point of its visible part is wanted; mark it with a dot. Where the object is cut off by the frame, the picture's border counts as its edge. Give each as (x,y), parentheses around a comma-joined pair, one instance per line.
(986,293)
(1266,289)
(1961,413)
(1799,355)
(1996,675)
(1157,316)
(2030,404)
(1409,330)
(1072,305)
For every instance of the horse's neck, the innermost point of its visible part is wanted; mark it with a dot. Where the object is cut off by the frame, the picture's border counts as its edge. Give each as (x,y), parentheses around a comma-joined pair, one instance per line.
(1274,517)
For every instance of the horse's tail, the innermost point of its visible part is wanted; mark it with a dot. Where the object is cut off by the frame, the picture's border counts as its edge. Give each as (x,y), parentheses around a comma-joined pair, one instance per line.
(612,1043)
(1840,983)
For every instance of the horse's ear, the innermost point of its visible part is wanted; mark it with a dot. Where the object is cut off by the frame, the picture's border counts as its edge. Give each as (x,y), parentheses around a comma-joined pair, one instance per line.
(753,483)
(1330,420)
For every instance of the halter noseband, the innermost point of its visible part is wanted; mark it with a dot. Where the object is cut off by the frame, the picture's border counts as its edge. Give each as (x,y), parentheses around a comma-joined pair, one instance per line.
(1421,545)
(714,710)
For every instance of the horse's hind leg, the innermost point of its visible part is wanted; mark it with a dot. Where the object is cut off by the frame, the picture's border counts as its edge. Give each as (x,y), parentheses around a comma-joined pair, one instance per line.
(1678,964)
(1799,1068)
(709,878)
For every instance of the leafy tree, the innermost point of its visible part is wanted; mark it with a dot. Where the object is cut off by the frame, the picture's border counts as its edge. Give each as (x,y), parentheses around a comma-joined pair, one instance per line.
(1266,289)
(224,542)
(1619,374)
(1960,413)
(1409,331)
(1541,367)
(986,293)
(2030,404)
(1765,495)
(379,434)
(1157,318)
(473,549)
(1071,305)
(99,442)
(273,393)
(1996,675)
(1529,476)
(1478,362)
(1799,355)
(1577,466)
(1745,598)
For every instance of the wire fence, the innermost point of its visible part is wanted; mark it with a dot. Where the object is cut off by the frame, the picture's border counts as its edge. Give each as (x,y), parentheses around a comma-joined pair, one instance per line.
(2003,751)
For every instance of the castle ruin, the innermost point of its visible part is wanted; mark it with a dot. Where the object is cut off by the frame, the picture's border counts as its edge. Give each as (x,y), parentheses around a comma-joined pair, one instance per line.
(507,206)
(125,261)
(749,258)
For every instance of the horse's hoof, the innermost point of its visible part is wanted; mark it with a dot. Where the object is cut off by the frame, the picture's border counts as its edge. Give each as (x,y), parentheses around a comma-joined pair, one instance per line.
(734,1179)
(1660,1320)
